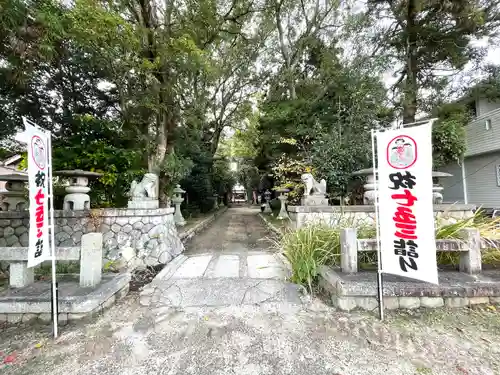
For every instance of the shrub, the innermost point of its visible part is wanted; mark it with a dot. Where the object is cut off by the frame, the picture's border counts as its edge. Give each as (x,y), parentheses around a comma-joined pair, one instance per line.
(314,245)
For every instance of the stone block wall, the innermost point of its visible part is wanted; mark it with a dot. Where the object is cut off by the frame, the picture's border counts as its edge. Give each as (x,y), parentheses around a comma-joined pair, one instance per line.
(150,232)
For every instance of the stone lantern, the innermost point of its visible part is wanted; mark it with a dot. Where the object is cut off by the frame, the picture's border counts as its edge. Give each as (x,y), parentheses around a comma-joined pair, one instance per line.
(437,189)
(13,197)
(267,207)
(177,200)
(77,197)
(369,186)
(283,197)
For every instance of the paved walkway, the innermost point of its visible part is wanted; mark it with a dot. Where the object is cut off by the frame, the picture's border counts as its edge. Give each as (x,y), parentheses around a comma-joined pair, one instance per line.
(226,265)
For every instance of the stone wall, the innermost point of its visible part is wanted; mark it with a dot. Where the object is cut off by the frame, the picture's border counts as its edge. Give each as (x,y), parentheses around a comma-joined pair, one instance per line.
(152,232)
(363,215)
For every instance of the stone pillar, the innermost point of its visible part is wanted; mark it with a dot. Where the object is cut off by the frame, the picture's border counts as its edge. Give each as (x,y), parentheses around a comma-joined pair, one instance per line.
(470,261)
(20,275)
(349,250)
(267,207)
(369,194)
(216,201)
(177,200)
(91,260)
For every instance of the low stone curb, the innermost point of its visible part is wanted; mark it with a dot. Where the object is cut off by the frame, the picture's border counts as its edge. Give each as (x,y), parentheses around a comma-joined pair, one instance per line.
(191,232)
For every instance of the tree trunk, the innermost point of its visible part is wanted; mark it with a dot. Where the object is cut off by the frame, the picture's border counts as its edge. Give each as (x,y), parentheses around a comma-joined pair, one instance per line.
(411,84)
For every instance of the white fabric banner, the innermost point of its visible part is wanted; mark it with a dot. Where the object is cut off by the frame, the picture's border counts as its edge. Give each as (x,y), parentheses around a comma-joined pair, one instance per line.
(38,166)
(406,217)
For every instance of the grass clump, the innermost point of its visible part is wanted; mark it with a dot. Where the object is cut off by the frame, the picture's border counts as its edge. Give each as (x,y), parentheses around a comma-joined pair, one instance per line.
(489,229)
(309,247)
(306,249)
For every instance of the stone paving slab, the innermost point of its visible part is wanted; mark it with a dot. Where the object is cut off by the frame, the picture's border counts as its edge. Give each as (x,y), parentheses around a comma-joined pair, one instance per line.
(225,266)
(257,265)
(193,267)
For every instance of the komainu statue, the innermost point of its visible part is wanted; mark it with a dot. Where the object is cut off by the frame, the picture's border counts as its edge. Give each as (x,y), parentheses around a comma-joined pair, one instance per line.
(147,188)
(317,188)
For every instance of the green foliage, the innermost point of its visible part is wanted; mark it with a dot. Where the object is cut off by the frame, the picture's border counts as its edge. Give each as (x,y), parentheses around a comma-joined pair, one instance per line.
(448,134)
(175,168)
(223,179)
(97,146)
(431,37)
(326,128)
(287,173)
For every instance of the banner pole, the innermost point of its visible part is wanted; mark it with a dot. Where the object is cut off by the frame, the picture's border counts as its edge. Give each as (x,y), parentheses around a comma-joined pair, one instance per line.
(380,286)
(55,292)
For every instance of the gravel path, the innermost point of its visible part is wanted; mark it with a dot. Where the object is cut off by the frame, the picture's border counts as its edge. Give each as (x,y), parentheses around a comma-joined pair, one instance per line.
(237,230)
(266,339)
(280,337)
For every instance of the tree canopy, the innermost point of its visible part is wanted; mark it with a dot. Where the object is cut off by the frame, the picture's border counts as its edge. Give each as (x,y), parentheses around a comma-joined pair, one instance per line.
(182,88)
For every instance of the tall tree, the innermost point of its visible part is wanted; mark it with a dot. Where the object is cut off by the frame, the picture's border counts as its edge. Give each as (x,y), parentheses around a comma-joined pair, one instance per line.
(428,39)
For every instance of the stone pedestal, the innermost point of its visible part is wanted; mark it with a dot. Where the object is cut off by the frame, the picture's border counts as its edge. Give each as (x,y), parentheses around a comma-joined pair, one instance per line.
(314,200)
(20,275)
(91,260)
(283,212)
(143,204)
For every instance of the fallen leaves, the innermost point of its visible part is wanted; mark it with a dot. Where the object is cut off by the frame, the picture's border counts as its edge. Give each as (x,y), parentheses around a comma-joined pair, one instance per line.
(9,359)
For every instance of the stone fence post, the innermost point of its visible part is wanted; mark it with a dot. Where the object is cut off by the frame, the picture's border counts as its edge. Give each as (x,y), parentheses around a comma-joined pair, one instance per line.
(20,275)
(349,250)
(470,261)
(91,260)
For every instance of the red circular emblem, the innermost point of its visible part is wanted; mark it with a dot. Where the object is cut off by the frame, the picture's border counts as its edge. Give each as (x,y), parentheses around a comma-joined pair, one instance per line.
(401,152)
(39,151)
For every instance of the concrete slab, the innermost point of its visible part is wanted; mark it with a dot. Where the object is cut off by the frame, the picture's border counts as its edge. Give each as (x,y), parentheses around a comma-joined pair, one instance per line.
(225,266)
(265,266)
(193,267)
(35,298)
(451,284)
(223,292)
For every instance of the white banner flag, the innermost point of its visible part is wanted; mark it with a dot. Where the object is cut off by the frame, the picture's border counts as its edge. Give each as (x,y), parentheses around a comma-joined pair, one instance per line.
(406,217)
(38,166)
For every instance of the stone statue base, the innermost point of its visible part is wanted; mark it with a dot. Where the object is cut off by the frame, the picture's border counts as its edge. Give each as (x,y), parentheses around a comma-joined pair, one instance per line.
(314,200)
(143,204)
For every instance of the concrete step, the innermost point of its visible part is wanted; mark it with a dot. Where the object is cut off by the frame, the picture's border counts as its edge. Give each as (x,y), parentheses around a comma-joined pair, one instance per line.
(191,292)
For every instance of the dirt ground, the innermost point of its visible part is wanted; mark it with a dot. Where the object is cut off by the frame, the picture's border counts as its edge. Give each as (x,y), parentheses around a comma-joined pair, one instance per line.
(310,339)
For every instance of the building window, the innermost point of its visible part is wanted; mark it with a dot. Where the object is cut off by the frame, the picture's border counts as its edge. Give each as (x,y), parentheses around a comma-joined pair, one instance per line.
(487,124)
(498,174)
